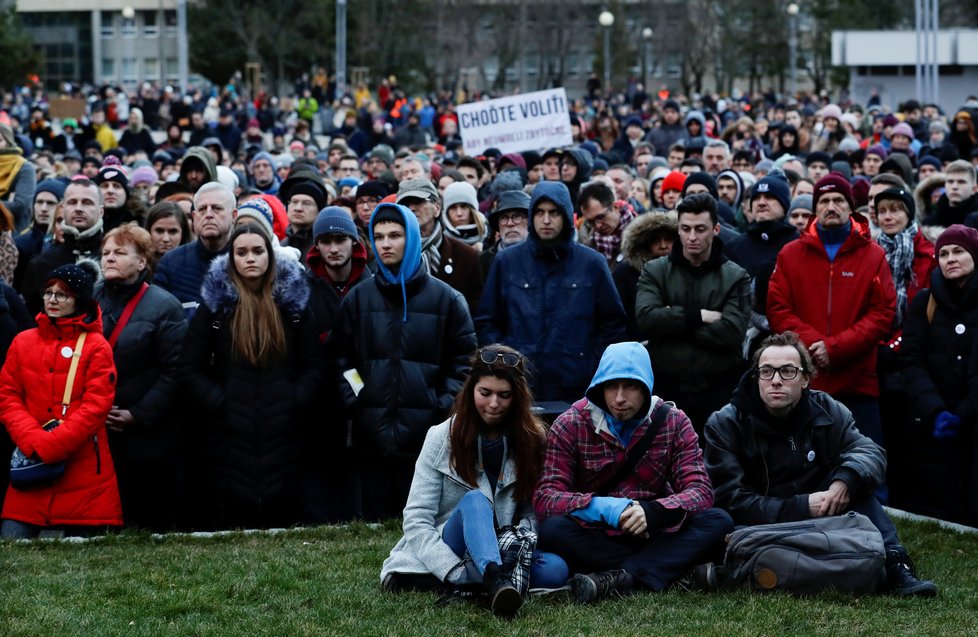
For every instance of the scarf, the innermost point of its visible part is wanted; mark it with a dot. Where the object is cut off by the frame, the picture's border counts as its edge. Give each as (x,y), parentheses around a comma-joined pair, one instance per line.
(899,255)
(430,250)
(610,244)
(11,162)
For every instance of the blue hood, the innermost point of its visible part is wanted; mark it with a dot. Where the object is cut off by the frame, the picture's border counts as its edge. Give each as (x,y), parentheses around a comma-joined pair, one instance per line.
(620,361)
(412,249)
(557,193)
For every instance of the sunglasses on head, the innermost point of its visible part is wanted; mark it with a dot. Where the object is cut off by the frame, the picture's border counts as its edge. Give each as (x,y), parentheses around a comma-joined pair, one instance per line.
(490,356)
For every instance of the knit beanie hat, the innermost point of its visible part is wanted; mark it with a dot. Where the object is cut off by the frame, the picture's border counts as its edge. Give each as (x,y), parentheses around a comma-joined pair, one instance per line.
(877,150)
(54,186)
(144,175)
(262,155)
(904,129)
(673,181)
(832,110)
(334,220)
(78,278)
(818,157)
(309,188)
(384,213)
(959,235)
(373,188)
(111,173)
(897,194)
(259,210)
(926,160)
(703,178)
(801,202)
(775,186)
(833,182)
(461,192)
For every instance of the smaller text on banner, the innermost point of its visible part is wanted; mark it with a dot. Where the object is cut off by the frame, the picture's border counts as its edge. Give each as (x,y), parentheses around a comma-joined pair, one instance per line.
(529,121)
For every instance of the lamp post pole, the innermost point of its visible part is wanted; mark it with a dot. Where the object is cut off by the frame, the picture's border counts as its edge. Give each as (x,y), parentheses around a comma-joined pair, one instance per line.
(606,19)
(793,46)
(340,48)
(646,66)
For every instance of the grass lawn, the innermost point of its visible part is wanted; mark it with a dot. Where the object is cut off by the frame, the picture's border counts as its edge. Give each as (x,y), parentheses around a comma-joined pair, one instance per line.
(325,582)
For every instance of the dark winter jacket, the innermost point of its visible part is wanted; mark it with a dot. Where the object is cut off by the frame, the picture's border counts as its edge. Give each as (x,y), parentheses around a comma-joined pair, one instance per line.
(147,357)
(760,245)
(461,270)
(181,272)
(325,296)
(555,302)
(937,352)
(30,243)
(945,215)
(411,370)
(253,418)
(663,136)
(764,468)
(635,252)
(670,295)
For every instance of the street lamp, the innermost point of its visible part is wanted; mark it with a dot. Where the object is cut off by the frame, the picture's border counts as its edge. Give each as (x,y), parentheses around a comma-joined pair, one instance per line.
(606,19)
(793,46)
(646,67)
(128,34)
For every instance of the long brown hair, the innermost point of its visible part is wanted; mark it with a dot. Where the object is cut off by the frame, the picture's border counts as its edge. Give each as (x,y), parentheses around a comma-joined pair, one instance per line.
(257,333)
(527,436)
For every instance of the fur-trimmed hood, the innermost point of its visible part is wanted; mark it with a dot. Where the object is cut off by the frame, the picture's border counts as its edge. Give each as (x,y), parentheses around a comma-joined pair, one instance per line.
(290,290)
(638,234)
(921,198)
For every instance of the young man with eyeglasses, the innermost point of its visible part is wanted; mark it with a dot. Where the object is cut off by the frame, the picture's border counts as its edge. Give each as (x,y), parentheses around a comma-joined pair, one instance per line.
(552,299)
(783,452)
(509,222)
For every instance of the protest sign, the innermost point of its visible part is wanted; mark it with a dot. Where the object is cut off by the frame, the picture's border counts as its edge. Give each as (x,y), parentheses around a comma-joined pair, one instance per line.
(529,121)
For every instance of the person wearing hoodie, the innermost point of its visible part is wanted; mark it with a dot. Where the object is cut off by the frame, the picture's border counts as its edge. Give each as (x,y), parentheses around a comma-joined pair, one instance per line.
(35,239)
(82,229)
(337,263)
(624,496)
(197,168)
(552,299)
(693,308)
(695,134)
(575,169)
(784,452)
(730,189)
(402,344)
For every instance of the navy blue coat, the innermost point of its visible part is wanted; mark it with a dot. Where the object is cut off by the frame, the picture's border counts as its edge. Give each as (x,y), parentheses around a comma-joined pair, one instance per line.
(555,303)
(181,273)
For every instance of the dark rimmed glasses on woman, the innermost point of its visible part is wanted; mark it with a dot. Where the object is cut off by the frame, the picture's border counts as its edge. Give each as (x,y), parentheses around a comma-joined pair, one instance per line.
(490,356)
(786,372)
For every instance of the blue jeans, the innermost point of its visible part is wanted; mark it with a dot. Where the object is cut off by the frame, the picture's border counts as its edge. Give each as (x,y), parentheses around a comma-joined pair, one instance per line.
(472,529)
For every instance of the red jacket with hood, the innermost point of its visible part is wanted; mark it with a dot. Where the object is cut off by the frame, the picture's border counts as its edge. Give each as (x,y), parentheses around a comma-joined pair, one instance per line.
(32,384)
(848,303)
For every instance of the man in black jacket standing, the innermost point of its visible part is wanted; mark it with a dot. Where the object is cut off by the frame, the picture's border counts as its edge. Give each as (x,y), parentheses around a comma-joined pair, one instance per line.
(781,452)
(403,343)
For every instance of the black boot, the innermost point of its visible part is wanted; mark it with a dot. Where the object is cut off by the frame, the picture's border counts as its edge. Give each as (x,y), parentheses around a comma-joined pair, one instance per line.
(901,576)
(600,585)
(504,599)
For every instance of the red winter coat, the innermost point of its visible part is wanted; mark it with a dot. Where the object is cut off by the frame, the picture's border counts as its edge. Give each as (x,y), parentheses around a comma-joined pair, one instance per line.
(848,303)
(32,384)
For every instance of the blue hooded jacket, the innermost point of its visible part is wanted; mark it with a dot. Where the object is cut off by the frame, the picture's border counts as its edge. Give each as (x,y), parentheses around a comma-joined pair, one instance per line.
(412,249)
(553,301)
(620,361)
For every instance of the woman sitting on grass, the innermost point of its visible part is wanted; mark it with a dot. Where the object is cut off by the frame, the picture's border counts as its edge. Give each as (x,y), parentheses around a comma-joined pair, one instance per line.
(475,474)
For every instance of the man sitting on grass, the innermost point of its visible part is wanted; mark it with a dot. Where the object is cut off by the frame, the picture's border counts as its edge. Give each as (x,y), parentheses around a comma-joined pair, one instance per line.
(781,452)
(624,494)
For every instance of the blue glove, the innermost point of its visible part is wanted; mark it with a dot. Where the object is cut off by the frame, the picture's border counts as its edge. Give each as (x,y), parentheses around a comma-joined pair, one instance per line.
(946,425)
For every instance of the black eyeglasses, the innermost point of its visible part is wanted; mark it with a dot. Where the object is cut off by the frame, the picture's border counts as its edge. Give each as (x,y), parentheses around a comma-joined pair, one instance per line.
(786,372)
(490,356)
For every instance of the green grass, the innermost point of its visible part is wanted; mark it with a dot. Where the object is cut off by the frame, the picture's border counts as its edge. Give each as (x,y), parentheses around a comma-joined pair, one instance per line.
(325,582)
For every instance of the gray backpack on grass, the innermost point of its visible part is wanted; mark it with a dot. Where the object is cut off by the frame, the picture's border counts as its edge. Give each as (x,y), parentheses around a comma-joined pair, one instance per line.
(843,553)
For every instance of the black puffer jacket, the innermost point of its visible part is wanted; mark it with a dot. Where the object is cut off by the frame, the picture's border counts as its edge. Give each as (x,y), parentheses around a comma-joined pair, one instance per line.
(763,469)
(635,242)
(87,245)
(411,370)
(937,353)
(760,245)
(252,419)
(147,357)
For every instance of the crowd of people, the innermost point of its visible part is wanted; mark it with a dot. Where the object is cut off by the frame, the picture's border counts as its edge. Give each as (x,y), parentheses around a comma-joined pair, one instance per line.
(283,302)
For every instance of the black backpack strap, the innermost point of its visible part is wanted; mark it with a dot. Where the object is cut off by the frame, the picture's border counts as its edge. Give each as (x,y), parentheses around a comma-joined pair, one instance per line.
(659,416)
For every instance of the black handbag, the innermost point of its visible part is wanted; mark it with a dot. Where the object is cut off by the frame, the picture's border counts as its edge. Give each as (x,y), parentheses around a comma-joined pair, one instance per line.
(31,472)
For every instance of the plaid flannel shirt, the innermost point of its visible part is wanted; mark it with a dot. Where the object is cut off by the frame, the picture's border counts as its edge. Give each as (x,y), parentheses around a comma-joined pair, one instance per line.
(583,454)
(610,244)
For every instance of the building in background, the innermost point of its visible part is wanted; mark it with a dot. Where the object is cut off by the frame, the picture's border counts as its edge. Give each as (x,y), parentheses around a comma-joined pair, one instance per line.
(121,42)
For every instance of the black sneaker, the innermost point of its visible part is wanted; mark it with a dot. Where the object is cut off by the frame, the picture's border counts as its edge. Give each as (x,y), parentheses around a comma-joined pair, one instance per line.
(702,577)
(901,576)
(600,585)
(504,599)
